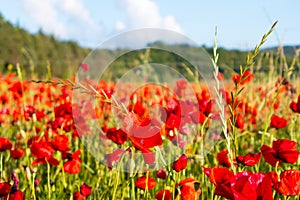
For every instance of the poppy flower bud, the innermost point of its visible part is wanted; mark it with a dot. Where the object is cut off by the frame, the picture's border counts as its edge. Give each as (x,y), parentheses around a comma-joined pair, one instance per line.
(180,164)
(145,182)
(161,174)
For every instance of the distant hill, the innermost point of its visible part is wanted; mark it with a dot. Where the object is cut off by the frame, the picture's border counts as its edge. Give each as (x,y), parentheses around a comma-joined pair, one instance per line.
(34,52)
(37,50)
(288,50)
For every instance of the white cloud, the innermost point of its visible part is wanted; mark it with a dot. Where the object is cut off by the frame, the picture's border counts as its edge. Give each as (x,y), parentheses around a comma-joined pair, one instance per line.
(169,22)
(146,25)
(119,26)
(66,19)
(145,14)
(70,19)
(45,15)
(76,10)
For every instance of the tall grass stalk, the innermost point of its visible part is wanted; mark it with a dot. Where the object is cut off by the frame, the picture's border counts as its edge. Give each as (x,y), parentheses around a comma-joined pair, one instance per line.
(219,101)
(250,60)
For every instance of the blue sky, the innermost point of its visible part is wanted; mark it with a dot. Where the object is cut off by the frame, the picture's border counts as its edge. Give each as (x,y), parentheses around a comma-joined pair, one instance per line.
(89,22)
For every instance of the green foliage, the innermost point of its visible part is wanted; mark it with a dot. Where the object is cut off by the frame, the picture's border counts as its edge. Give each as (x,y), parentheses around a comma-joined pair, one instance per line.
(35,52)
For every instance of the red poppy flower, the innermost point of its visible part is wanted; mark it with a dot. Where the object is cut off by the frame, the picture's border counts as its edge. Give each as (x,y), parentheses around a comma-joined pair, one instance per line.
(149,156)
(221,177)
(189,113)
(17,89)
(17,153)
(72,166)
(173,106)
(4,189)
(85,66)
(78,196)
(42,161)
(63,110)
(295,106)
(144,137)
(4,99)
(239,122)
(205,94)
(249,160)
(139,109)
(139,115)
(205,106)
(116,135)
(42,151)
(61,143)
(173,121)
(180,163)
(40,115)
(283,150)
(85,191)
(161,174)
(223,158)
(220,76)
(236,78)
(248,186)
(247,77)
(201,117)
(289,184)
(28,112)
(189,189)
(5,111)
(5,144)
(274,177)
(164,195)
(278,122)
(181,84)
(150,138)
(16,195)
(252,119)
(242,186)
(145,183)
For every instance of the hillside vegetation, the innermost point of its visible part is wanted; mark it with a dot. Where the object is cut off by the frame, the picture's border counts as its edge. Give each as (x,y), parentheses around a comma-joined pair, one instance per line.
(35,52)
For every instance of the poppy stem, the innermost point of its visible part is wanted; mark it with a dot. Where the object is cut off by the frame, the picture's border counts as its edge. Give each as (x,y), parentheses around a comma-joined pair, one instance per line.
(48,177)
(276,168)
(33,185)
(116,185)
(132,188)
(146,189)
(1,166)
(88,168)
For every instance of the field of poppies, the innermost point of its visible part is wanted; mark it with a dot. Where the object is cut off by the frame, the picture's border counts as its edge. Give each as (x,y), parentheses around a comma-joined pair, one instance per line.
(253,153)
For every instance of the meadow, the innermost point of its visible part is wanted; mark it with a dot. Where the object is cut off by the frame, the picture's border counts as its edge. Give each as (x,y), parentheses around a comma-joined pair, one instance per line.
(238,141)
